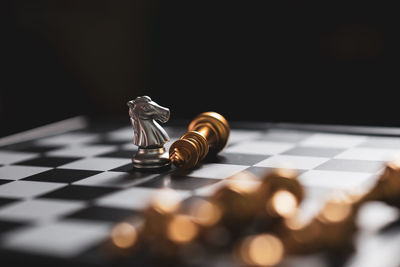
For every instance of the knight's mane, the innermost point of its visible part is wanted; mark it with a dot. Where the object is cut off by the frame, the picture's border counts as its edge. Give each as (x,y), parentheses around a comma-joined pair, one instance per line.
(135,124)
(142,99)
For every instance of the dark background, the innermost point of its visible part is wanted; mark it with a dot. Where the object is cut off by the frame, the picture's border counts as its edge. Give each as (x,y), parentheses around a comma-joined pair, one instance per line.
(290,61)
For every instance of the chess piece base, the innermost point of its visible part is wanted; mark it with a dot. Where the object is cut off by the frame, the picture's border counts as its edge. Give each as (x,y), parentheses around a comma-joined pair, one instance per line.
(151,158)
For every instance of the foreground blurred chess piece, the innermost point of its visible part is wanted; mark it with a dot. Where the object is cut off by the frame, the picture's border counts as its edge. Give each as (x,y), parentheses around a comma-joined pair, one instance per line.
(332,230)
(265,249)
(125,237)
(149,136)
(165,230)
(237,201)
(236,210)
(209,131)
(245,202)
(334,227)
(387,188)
(280,193)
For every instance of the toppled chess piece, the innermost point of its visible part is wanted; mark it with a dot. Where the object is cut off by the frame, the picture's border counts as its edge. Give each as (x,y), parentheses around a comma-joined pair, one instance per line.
(209,131)
(149,136)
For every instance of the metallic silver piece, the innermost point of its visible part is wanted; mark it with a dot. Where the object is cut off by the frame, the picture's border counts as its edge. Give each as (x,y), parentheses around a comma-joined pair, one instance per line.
(149,136)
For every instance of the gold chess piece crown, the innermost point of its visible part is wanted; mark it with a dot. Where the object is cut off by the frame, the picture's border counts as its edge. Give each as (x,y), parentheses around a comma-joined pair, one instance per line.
(209,131)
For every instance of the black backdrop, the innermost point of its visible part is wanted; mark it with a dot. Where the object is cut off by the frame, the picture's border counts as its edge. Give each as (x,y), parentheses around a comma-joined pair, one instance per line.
(292,61)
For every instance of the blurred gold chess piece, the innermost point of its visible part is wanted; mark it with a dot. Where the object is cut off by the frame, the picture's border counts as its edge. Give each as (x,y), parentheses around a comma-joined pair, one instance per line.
(332,229)
(259,217)
(280,193)
(387,188)
(209,131)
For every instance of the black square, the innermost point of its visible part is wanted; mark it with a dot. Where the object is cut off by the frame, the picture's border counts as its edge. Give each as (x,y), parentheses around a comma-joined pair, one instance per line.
(130,169)
(125,168)
(260,172)
(326,152)
(31,147)
(96,213)
(18,146)
(235,158)
(76,192)
(178,182)
(285,135)
(48,161)
(4,181)
(8,225)
(61,175)
(5,201)
(119,154)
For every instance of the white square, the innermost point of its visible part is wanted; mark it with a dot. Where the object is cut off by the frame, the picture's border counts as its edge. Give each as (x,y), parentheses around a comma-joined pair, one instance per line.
(122,134)
(81,151)
(38,210)
(114,179)
(259,147)
(26,189)
(129,146)
(217,171)
(292,162)
(135,198)
(285,135)
(19,172)
(9,157)
(363,153)
(168,144)
(315,198)
(96,164)
(209,190)
(68,139)
(336,179)
(376,250)
(374,215)
(236,136)
(333,140)
(62,239)
(382,142)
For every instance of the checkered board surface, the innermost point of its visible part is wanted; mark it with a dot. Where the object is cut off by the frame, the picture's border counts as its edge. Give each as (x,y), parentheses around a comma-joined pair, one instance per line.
(60,195)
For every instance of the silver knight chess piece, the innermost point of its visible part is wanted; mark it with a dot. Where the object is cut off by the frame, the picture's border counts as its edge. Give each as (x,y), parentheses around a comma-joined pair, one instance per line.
(149,136)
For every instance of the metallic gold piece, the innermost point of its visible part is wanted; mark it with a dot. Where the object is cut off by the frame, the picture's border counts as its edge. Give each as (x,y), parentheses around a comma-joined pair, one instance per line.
(124,235)
(387,188)
(237,200)
(209,131)
(261,250)
(332,229)
(280,193)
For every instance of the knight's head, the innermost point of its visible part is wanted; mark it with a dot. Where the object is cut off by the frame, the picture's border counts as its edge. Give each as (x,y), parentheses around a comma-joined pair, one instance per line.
(144,108)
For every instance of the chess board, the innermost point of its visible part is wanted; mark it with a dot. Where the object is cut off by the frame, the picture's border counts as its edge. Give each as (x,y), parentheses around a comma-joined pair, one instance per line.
(61,194)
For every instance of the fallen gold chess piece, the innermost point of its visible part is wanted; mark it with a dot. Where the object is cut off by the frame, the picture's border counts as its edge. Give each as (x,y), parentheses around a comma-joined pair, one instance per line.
(209,131)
